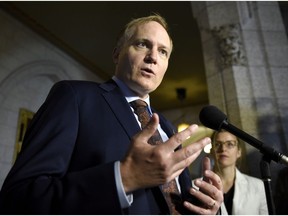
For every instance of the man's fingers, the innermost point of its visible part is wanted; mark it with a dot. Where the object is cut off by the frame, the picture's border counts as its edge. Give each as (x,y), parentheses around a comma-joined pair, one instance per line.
(206,166)
(192,148)
(186,155)
(183,157)
(151,127)
(214,179)
(208,191)
(178,138)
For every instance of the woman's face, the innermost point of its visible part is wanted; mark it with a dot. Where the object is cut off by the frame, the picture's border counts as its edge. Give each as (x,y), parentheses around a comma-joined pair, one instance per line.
(226,149)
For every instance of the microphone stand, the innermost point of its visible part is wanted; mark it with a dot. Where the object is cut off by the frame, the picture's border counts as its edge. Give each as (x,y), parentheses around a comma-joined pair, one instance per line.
(266,177)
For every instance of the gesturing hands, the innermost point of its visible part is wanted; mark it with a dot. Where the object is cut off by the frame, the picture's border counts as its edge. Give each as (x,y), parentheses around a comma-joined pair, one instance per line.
(210,193)
(148,166)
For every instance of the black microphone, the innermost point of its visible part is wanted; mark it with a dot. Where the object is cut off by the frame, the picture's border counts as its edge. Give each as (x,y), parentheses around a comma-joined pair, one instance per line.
(211,117)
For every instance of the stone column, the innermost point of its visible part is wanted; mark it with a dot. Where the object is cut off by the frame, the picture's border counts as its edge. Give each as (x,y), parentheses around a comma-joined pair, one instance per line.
(245,52)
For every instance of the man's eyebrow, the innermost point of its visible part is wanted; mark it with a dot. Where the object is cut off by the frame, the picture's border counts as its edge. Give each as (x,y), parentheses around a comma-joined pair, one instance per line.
(146,40)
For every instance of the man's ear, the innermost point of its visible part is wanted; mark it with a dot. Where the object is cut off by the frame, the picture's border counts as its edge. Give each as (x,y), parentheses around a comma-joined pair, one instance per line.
(115,55)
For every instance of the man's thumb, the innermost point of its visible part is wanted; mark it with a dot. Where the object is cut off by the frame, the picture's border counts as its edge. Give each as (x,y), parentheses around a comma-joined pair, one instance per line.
(152,125)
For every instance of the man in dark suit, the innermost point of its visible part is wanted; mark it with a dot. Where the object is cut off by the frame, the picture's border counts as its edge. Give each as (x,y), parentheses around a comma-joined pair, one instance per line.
(84,152)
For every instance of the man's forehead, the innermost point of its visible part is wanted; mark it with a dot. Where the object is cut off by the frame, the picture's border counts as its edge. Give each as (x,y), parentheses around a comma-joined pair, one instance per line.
(149,29)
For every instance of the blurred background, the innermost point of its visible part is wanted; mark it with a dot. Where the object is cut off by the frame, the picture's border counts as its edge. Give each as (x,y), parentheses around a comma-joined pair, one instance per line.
(229,54)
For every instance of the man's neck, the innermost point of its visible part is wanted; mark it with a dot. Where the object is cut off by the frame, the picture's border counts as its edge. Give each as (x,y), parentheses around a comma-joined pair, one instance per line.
(128,93)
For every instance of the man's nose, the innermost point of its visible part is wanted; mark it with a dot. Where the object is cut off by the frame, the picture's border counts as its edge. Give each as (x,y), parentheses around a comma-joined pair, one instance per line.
(151,56)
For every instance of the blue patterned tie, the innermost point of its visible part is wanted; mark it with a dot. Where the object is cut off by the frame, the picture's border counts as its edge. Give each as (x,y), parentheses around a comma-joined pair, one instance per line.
(169,189)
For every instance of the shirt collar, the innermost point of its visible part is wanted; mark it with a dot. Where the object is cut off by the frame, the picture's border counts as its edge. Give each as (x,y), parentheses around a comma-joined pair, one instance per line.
(128,93)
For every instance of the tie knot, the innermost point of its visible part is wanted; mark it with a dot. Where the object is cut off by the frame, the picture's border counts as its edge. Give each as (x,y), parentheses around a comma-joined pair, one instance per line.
(138,103)
(140,109)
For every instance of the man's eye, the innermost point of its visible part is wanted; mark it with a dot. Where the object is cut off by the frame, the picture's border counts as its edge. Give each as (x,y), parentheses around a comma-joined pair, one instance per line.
(164,52)
(141,44)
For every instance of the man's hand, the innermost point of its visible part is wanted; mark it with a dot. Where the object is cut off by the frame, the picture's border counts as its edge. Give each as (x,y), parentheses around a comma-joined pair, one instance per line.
(210,192)
(148,165)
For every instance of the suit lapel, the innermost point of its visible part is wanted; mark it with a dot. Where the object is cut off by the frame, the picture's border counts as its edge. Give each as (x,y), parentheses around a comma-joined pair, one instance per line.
(119,107)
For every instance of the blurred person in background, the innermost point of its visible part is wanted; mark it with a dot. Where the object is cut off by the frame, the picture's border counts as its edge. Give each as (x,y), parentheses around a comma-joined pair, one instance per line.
(243,194)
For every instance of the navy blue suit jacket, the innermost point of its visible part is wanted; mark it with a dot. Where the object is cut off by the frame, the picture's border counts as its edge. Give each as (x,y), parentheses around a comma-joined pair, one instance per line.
(66,165)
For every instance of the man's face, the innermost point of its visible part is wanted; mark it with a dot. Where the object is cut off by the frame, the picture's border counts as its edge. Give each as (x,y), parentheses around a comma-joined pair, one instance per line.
(143,60)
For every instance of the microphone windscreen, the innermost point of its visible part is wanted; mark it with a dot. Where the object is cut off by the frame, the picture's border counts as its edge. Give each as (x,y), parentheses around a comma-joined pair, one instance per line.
(211,117)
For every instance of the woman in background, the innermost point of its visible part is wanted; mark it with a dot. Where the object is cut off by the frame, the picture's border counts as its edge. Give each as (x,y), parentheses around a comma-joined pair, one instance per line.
(243,194)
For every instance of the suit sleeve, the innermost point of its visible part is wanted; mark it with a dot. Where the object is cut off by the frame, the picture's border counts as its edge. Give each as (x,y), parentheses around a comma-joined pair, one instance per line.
(40,181)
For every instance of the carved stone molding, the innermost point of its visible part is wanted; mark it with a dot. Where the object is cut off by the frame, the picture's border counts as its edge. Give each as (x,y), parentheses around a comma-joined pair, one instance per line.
(230,45)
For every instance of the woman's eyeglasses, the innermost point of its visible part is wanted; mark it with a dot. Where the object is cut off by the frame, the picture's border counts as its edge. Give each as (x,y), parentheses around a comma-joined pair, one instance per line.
(228,144)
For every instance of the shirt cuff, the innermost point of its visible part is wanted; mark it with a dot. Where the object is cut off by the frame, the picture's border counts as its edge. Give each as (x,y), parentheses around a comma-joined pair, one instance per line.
(125,200)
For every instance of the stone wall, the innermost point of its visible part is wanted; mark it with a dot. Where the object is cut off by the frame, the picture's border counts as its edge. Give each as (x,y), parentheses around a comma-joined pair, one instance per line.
(245,51)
